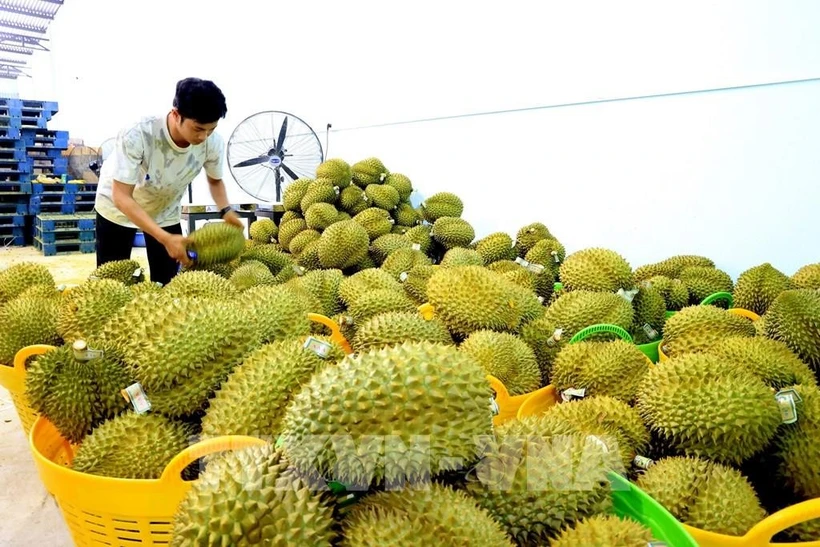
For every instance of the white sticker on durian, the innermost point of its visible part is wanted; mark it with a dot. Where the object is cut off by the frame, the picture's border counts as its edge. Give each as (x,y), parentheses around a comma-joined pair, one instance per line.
(298,269)
(83,353)
(555,256)
(136,396)
(93,278)
(656,544)
(522,261)
(573,393)
(598,442)
(403,276)
(650,332)
(642,462)
(494,407)
(319,347)
(416,247)
(535,268)
(787,400)
(138,272)
(627,295)
(555,338)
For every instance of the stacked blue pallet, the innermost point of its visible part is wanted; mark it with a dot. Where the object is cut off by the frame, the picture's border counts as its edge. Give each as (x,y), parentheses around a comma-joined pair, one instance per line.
(57,233)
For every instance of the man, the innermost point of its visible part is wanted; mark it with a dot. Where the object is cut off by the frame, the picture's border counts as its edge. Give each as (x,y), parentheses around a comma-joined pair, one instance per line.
(142,182)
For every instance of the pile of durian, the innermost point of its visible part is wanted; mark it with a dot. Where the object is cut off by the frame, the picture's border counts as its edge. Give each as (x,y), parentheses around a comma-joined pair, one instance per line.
(722,433)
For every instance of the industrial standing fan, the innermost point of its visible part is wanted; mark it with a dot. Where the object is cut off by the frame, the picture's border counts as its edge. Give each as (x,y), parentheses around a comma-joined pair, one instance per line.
(269,150)
(85,162)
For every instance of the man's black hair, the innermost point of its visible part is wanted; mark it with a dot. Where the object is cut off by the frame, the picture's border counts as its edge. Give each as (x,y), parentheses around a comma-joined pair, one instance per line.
(200,100)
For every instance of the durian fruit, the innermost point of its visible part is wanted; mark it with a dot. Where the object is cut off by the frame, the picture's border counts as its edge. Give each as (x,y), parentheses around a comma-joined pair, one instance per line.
(384,245)
(703,405)
(452,232)
(650,314)
(76,394)
(703,281)
(596,269)
(253,399)
(757,287)
(379,301)
(536,485)
(406,215)
(287,216)
(27,321)
(674,292)
(549,253)
(202,285)
(261,501)
(309,257)
(343,421)
(277,312)
(578,309)
(696,329)
(613,368)
(128,272)
(395,327)
(383,196)
(770,360)
(84,310)
(18,277)
(132,446)
(461,256)
(797,445)
(496,246)
(324,286)
(807,277)
(377,222)
(343,244)
(421,236)
(41,291)
(471,298)
(506,357)
(604,531)
(301,240)
(318,191)
(251,273)
(415,283)
(441,204)
(793,319)
(263,230)
(402,261)
(290,229)
(364,282)
(401,183)
(527,237)
(431,515)
(293,194)
(672,266)
(320,215)
(269,255)
(216,242)
(336,170)
(369,171)
(703,494)
(352,200)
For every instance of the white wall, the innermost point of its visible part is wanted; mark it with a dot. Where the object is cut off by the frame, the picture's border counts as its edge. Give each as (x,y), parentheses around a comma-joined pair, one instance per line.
(732,175)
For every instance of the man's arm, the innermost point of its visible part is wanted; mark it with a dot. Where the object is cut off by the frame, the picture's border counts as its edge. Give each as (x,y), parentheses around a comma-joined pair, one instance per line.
(220,197)
(123,197)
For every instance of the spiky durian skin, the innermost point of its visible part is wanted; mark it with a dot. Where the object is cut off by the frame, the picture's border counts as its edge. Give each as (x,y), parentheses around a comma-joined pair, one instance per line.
(159,439)
(383,196)
(406,215)
(703,281)
(41,291)
(126,271)
(336,170)
(343,244)
(353,287)
(369,171)
(757,287)
(309,257)
(260,501)
(377,222)
(797,446)
(527,237)
(401,183)
(452,232)
(615,368)
(696,329)
(506,357)
(87,307)
(18,277)
(441,204)
(201,284)
(549,253)
(263,230)
(293,194)
(576,310)
(379,301)
(674,292)
(471,298)
(460,256)
(324,286)
(703,494)
(352,200)
(604,531)
(433,515)
(415,283)
(437,393)
(403,260)
(672,266)
(269,255)
(216,242)
(318,191)
(496,246)
(421,235)
(650,315)
(253,399)
(536,485)
(301,240)
(702,405)
(596,269)
(382,246)
(290,229)
(770,360)
(321,215)
(287,216)
(27,321)
(807,277)
(396,327)
(793,319)
(251,273)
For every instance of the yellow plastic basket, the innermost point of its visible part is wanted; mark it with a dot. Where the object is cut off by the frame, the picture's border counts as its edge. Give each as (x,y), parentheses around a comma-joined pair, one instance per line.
(14,380)
(509,406)
(111,511)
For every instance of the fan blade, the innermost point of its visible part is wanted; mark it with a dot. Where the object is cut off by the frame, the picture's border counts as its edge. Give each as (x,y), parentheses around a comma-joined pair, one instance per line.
(253,161)
(290,173)
(282,132)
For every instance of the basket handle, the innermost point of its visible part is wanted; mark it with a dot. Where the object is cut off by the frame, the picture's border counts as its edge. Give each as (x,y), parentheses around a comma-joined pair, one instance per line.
(718,296)
(22,356)
(172,471)
(748,314)
(762,532)
(599,328)
(335,333)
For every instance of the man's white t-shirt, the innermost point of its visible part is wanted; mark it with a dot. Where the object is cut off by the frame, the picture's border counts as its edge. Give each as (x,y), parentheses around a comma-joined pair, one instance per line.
(146,156)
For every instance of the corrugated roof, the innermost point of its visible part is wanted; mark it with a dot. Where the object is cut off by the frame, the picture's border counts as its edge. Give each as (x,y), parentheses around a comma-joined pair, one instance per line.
(23,25)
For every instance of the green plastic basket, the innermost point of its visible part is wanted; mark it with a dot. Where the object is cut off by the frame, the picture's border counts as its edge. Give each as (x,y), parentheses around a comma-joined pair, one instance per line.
(651,350)
(599,328)
(717,297)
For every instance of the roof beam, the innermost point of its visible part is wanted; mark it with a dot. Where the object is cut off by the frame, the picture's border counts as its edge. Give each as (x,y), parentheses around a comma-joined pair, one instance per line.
(4,61)
(22,41)
(11,72)
(21,10)
(16,49)
(10,22)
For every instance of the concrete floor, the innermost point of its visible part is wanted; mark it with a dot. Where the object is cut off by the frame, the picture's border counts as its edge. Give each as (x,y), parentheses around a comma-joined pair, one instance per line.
(30,517)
